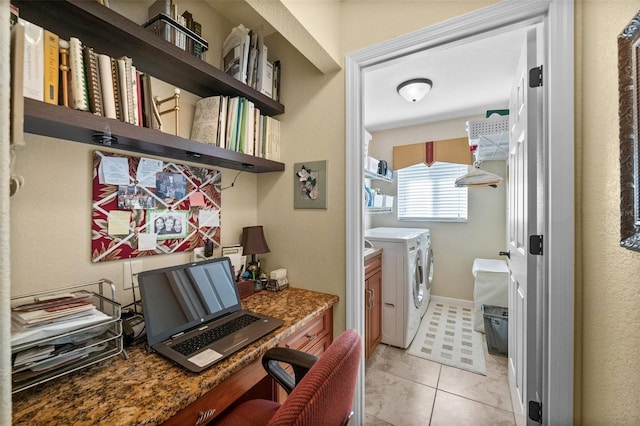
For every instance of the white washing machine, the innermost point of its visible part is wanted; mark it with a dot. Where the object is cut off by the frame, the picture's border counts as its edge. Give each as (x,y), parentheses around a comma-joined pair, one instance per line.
(407,273)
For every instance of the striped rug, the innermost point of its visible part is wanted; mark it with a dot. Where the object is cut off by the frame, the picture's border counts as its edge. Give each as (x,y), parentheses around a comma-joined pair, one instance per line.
(446,336)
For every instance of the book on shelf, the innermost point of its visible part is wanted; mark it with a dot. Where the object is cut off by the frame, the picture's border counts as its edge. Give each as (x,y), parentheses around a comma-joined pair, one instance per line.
(17,85)
(51,61)
(79,96)
(139,99)
(117,100)
(264,71)
(106,86)
(242,125)
(94,86)
(206,120)
(33,74)
(222,121)
(126,88)
(277,75)
(63,80)
(134,95)
(249,138)
(14,14)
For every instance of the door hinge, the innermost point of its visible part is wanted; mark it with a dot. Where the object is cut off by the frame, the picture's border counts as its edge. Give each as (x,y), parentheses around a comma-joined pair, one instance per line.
(535,245)
(535,77)
(535,411)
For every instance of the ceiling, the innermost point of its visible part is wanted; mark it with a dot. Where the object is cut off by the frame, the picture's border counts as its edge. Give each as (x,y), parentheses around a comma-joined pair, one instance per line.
(468,79)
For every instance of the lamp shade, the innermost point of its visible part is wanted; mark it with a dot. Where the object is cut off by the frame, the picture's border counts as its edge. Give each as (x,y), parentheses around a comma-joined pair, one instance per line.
(253,241)
(414,90)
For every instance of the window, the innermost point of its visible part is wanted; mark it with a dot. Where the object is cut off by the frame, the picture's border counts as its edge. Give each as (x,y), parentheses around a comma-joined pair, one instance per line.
(430,193)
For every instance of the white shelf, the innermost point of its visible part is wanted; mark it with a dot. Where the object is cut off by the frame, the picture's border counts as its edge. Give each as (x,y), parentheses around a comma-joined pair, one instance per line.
(379,210)
(371,175)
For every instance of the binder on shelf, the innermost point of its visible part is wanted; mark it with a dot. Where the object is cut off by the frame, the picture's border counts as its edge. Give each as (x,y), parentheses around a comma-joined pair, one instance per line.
(33,76)
(51,67)
(79,98)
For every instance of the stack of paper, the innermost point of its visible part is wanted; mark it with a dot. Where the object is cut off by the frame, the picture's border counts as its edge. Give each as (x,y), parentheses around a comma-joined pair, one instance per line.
(53,309)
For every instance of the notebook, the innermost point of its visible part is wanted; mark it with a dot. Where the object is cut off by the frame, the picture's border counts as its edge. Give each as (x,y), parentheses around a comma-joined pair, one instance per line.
(187,304)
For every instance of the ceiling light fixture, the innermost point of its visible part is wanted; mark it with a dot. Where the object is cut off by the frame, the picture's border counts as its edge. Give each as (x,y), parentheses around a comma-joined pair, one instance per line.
(415,89)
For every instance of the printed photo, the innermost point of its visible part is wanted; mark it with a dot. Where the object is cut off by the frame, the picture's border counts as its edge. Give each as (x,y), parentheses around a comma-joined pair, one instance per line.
(170,186)
(167,224)
(132,197)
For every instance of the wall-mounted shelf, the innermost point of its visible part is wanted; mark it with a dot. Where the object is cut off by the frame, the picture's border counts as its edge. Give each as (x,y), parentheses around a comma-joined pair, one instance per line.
(379,210)
(115,35)
(371,175)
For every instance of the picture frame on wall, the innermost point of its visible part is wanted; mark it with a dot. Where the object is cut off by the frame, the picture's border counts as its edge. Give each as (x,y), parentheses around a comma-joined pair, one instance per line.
(310,185)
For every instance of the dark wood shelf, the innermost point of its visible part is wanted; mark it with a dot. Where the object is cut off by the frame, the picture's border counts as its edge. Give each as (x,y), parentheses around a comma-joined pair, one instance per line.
(115,35)
(65,123)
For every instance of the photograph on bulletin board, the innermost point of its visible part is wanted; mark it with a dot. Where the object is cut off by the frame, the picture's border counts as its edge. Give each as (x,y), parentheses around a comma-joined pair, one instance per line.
(145,207)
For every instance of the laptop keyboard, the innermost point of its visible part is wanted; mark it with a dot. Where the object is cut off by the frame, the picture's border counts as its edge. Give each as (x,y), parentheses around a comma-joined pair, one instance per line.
(209,336)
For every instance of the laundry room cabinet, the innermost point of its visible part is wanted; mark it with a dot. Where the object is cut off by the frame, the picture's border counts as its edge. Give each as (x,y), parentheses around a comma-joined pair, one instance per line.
(373,302)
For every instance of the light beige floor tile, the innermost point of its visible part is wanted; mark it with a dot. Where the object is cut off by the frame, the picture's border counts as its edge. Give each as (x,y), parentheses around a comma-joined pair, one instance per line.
(397,362)
(454,410)
(375,356)
(396,400)
(491,390)
(374,421)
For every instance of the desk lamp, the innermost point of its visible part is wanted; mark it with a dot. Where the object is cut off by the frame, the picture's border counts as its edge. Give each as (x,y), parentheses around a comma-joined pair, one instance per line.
(253,243)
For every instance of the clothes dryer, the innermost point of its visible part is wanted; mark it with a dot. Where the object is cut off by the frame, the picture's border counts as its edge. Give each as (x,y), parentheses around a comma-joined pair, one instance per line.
(407,271)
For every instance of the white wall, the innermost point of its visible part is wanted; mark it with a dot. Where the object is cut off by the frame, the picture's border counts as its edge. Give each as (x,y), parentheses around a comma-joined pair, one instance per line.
(455,245)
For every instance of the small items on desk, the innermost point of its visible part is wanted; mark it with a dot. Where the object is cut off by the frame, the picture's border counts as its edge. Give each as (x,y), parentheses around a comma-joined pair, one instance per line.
(245,288)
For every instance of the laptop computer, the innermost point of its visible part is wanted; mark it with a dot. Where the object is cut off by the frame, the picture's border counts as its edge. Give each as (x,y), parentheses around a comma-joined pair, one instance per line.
(193,315)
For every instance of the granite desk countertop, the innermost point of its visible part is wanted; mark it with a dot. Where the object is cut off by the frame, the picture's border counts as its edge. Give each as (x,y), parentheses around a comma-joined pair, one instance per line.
(147,388)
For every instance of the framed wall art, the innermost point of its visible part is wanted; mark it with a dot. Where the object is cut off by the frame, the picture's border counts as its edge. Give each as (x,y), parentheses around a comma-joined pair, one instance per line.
(310,185)
(145,207)
(628,92)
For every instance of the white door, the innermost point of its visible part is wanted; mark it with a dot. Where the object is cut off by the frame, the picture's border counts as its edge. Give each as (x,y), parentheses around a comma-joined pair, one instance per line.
(522,223)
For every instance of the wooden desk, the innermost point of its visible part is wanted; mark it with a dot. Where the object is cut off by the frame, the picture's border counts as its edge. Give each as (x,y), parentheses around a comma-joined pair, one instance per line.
(147,389)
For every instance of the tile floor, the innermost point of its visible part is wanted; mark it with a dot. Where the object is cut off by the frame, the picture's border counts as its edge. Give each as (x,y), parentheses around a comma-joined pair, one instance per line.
(404,390)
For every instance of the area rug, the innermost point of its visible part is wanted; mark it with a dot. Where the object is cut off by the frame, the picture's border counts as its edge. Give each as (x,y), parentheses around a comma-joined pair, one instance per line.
(446,336)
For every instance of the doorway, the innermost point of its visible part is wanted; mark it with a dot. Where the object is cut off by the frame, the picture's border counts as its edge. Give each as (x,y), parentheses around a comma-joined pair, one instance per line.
(557,296)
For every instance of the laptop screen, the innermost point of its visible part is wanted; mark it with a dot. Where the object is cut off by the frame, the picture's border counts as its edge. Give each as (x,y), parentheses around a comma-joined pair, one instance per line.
(178,298)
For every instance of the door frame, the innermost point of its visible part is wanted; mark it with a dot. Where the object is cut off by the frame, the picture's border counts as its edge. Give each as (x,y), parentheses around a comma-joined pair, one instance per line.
(558,110)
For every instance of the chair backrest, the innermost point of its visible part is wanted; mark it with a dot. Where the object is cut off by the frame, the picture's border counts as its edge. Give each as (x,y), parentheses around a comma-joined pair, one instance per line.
(325,395)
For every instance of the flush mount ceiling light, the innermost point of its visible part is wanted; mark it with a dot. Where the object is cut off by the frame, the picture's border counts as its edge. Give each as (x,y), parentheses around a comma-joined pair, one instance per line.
(415,89)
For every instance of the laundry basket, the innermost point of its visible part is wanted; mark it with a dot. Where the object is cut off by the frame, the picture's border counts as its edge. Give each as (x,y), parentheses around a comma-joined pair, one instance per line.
(496,328)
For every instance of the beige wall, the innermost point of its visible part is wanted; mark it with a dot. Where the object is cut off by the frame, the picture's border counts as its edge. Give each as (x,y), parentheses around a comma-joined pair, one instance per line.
(311,244)
(455,244)
(609,318)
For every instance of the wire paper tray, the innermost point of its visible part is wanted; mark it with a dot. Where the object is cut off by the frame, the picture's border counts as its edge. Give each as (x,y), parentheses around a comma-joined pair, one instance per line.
(78,345)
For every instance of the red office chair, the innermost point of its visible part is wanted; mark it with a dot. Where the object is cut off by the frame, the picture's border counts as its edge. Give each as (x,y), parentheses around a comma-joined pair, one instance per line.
(321,394)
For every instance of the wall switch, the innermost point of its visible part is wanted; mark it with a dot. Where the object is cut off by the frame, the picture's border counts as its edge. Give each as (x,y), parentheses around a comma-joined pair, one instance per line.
(130,271)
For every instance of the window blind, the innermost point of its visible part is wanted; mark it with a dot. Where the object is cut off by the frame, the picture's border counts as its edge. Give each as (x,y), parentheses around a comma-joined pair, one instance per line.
(430,193)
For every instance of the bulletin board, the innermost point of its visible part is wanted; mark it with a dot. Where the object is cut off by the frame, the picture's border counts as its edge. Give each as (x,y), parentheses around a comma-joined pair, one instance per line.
(146,207)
